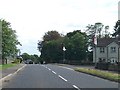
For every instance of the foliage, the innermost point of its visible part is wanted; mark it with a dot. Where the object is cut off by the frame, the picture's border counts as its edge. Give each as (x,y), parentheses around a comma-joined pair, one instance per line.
(76,45)
(25,56)
(9,40)
(117,28)
(34,57)
(98,29)
(52,50)
(51,35)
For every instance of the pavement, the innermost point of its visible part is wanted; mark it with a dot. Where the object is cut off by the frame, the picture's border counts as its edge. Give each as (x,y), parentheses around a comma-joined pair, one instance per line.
(6,73)
(54,76)
(10,70)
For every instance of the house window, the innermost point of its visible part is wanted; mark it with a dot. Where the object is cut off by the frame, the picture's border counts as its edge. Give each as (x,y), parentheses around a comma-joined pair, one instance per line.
(102,50)
(102,59)
(113,60)
(113,49)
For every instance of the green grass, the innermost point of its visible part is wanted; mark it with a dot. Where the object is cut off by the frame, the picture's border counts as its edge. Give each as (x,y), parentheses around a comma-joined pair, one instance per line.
(5,66)
(103,74)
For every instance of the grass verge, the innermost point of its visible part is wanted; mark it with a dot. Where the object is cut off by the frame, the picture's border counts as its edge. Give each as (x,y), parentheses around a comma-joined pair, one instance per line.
(5,66)
(102,74)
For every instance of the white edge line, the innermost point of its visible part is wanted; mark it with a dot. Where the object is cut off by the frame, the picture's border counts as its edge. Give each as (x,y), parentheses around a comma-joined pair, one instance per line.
(6,77)
(67,68)
(54,72)
(75,87)
(19,69)
(12,73)
(62,78)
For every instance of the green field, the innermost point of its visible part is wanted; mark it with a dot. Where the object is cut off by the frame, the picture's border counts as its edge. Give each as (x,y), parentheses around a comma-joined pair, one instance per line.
(5,66)
(100,73)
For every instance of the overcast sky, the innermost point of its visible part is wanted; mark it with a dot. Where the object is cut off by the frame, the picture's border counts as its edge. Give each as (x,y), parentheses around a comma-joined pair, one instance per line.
(32,18)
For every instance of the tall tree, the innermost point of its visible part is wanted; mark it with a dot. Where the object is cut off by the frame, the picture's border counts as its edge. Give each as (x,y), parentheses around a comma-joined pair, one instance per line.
(117,29)
(76,45)
(51,35)
(50,46)
(25,56)
(9,41)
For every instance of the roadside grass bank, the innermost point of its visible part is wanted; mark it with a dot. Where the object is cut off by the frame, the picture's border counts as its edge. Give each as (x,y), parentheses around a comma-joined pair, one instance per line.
(102,74)
(5,66)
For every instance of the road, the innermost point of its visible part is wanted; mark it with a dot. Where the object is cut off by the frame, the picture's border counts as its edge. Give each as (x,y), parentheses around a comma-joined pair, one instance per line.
(54,76)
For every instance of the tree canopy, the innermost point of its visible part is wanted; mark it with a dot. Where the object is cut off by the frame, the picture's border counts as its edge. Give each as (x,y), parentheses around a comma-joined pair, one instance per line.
(117,28)
(9,40)
(75,43)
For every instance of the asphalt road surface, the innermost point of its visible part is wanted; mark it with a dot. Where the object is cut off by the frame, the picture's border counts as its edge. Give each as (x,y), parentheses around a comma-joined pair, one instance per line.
(54,76)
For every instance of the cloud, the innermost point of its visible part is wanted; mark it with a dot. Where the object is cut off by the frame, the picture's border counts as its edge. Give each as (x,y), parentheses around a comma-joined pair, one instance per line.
(32,18)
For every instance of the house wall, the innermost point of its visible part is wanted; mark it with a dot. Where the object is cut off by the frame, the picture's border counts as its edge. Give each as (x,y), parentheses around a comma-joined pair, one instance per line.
(110,54)
(97,54)
(101,55)
(107,55)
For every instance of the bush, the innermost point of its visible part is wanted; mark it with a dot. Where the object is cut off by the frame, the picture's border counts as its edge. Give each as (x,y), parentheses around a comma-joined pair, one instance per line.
(101,65)
(114,67)
(16,61)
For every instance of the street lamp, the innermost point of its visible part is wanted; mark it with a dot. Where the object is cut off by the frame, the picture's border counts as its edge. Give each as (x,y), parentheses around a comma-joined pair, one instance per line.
(64,49)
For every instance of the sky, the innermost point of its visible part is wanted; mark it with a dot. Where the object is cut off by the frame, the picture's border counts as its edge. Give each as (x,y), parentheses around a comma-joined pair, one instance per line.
(33,18)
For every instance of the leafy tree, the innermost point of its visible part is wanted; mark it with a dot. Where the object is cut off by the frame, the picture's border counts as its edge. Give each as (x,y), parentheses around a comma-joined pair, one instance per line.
(25,56)
(51,35)
(51,46)
(9,41)
(98,29)
(117,29)
(76,45)
(52,51)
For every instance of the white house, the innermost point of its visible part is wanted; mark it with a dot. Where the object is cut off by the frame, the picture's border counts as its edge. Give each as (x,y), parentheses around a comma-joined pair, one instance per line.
(107,50)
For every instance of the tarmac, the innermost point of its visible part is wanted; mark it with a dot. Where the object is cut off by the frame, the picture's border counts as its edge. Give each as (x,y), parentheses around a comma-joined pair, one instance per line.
(9,72)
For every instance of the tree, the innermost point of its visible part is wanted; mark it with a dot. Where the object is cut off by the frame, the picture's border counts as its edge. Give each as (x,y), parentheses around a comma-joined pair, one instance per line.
(99,30)
(51,35)
(25,56)
(117,29)
(51,47)
(9,41)
(76,45)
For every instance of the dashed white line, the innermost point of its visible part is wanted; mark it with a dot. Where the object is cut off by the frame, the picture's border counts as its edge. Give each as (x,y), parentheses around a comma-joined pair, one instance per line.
(76,87)
(62,78)
(54,72)
(49,69)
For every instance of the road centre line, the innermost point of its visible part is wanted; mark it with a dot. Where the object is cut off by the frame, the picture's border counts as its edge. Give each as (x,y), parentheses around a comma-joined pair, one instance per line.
(62,78)
(49,69)
(76,87)
(54,72)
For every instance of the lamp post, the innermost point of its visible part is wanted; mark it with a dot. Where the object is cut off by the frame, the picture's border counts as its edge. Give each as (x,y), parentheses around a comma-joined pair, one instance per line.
(64,49)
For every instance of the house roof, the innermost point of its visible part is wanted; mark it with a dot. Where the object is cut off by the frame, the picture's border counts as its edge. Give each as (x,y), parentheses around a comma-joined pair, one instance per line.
(102,42)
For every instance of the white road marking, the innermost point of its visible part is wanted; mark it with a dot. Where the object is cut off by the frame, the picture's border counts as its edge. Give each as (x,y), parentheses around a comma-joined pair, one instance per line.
(62,78)
(49,69)
(12,73)
(54,72)
(19,69)
(6,77)
(76,87)
(67,68)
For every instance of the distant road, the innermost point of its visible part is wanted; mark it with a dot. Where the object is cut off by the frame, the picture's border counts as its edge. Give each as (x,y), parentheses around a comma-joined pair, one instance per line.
(54,76)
